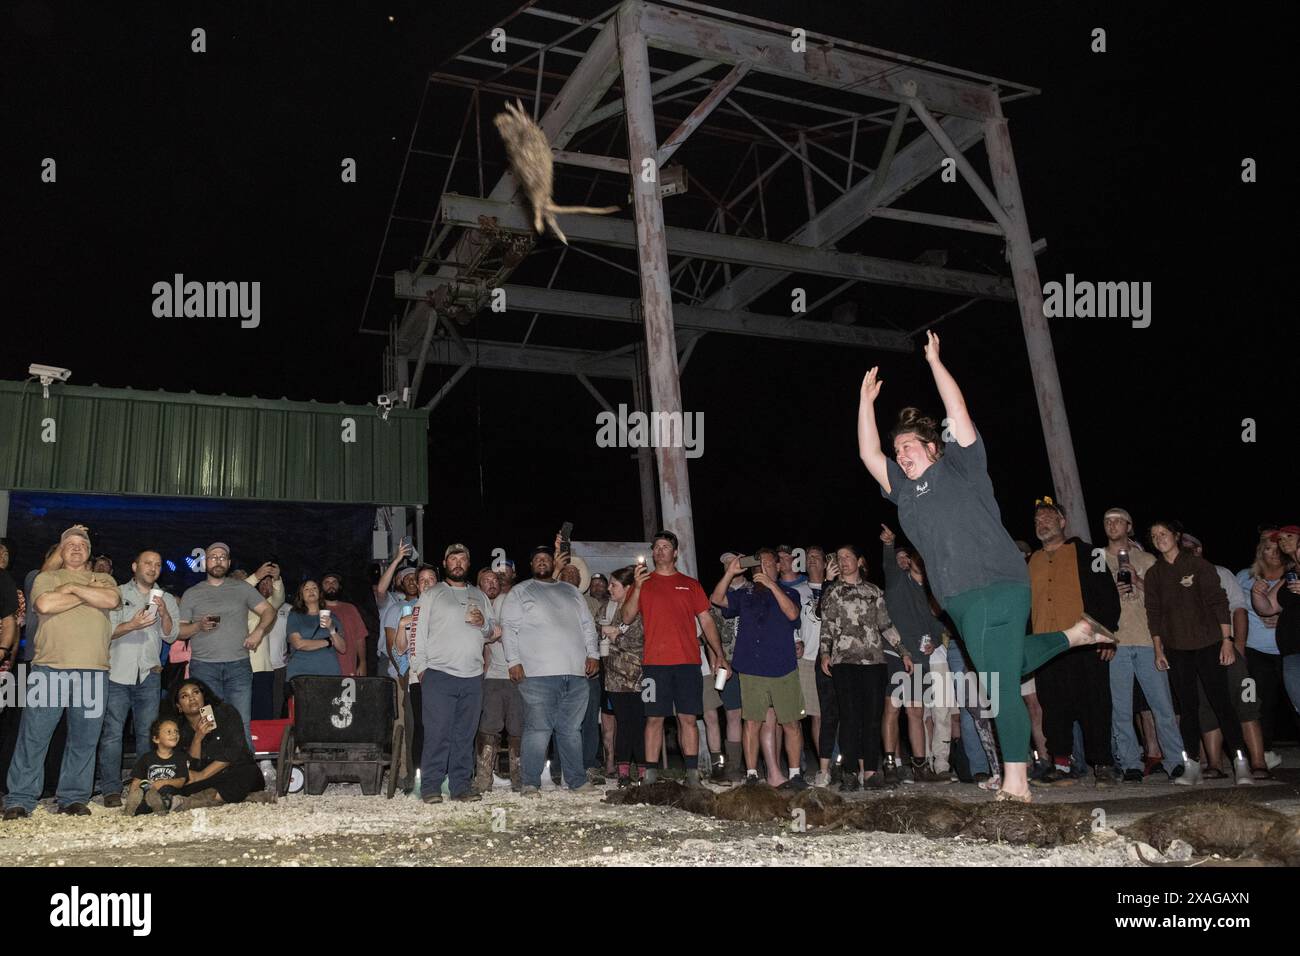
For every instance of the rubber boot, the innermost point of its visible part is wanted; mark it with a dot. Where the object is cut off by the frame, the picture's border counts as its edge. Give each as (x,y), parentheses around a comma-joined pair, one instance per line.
(487,758)
(735,767)
(516,777)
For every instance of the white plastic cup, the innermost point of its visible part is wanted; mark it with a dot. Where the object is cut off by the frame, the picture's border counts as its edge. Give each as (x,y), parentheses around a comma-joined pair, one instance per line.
(325,618)
(604,647)
(470,607)
(153,608)
(720,681)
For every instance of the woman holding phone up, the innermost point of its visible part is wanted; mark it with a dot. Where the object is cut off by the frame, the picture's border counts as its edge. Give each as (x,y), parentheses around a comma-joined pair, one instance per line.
(977,574)
(221,765)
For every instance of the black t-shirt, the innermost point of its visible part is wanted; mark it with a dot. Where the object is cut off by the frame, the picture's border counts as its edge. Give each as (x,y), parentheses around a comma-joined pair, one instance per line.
(226,743)
(152,767)
(8,595)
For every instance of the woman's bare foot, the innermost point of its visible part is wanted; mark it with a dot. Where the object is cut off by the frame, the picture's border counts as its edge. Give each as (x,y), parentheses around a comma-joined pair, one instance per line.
(1005,795)
(1087,631)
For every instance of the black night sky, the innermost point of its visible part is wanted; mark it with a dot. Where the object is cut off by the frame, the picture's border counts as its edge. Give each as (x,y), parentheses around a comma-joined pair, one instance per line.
(225,166)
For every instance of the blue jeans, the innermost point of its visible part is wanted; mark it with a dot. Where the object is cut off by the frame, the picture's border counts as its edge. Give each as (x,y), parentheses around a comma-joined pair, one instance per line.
(1131,661)
(451,708)
(970,741)
(553,705)
(232,681)
(77,773)
(141,701)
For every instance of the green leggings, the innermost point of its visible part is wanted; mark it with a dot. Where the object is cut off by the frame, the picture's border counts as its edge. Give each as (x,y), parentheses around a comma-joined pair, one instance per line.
(992,621)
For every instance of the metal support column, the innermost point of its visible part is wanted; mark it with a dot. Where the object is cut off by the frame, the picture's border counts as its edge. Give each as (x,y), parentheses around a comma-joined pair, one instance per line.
(1038,339)
(656,291)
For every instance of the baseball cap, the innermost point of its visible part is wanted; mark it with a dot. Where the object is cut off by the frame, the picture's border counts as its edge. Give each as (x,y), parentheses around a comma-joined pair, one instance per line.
(541,549)
(1119,513)
(1047,502)
(599,575)
(1286,529)
(219,544)
(784,549)
(728,556)
(403,574)
(76,531)
(455,549)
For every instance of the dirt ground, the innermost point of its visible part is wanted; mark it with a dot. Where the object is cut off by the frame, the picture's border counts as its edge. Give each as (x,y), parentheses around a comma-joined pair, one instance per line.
(344,828)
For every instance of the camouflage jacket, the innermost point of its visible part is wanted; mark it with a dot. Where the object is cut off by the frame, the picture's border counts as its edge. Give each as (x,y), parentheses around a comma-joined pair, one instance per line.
(623,665)
(727,628)
(855,623)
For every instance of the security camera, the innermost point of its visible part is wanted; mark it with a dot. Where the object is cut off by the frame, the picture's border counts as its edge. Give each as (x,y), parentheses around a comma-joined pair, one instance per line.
(50,372)
(384,401)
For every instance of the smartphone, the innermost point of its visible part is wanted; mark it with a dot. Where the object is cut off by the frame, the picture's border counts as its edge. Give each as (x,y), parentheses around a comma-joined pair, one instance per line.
(640,559)
(214,618)
(566,535)
(751,561)
(206,713)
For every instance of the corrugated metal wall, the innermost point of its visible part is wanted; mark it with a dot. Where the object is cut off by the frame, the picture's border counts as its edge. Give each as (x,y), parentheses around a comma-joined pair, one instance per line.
(123,441)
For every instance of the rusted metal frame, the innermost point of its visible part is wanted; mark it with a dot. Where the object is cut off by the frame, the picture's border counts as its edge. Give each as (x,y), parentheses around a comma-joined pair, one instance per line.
(934,219)
(501,23)
(912,165)
(666,82)
(833,293)
(566,302)
(609,262)
(887,154)
(786,146)
(583,89)
(821,38)
(511,67)
(835,67)
(421,358)
(608,164)
(762,205)
(508,356)
(841,157)
(595,392)
(741,250)
(701,112)
(964,167)
(853,146)
(809,195)
(447,386)
(759,179)
(656,293)
(537,93)
(1038,339)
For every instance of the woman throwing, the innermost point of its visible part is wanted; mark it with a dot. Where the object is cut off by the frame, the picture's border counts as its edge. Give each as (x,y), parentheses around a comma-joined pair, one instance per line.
(946,507)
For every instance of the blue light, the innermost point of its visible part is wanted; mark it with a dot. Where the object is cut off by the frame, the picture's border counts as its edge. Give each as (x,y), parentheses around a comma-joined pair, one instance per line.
(171,565)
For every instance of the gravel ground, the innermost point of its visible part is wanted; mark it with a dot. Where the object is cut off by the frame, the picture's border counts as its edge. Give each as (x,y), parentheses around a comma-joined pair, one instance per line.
(343,828)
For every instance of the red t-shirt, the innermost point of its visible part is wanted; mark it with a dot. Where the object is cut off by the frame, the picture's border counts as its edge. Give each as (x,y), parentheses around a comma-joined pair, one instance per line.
(354,636)
(669,605)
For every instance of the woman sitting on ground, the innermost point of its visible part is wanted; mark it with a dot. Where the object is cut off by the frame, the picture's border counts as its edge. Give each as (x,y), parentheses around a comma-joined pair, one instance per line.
(221,765)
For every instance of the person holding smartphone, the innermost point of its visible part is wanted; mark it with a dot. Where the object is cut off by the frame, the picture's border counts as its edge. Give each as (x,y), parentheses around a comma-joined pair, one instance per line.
(947,509)
(221,765)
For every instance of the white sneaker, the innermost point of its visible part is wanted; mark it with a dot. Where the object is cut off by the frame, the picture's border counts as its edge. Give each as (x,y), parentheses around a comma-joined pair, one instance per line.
(823,779)
(1272,760)
(1191,774)
(1241,770)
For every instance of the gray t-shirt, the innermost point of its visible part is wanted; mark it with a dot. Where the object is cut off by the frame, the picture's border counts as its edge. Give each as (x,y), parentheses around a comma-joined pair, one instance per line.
(443,640)
(909,608)
(951,516)
(232,600)
(497,667)
(548,629)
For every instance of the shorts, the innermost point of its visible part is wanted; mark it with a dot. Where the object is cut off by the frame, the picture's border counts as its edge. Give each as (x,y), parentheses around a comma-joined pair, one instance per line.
(808,685)
(782,694)
(903,688)
(728,698)
(673,689)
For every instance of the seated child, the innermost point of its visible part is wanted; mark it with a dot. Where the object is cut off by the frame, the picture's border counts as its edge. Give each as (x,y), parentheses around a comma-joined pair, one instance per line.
(158,774)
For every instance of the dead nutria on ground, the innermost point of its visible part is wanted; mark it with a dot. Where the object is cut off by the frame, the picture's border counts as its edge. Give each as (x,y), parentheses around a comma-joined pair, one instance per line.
(530,156)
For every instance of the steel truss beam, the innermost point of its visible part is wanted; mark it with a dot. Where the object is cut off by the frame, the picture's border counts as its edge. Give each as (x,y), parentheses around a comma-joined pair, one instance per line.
(616,309)
(737,250)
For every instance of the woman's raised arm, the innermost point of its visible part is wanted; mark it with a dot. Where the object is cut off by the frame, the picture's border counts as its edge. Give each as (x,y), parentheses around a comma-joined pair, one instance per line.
(957,421)
(868,436)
